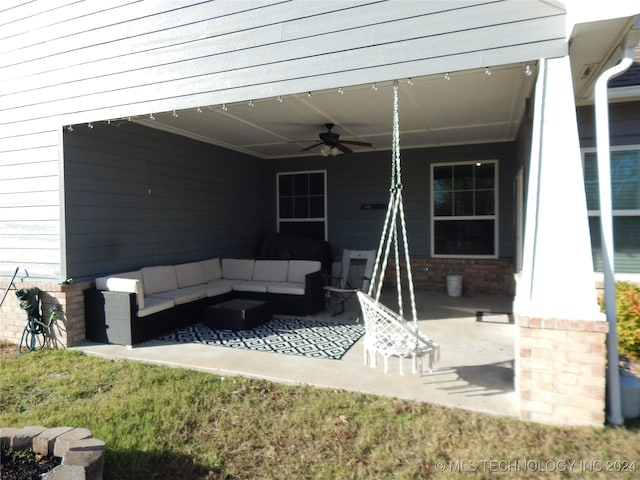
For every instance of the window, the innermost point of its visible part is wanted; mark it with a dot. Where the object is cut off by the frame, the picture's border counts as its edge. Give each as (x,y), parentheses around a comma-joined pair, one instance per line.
(463,209)
(625,191)
(302,203)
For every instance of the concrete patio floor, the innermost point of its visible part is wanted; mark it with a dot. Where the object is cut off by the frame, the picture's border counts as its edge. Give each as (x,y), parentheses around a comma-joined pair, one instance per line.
(475,371)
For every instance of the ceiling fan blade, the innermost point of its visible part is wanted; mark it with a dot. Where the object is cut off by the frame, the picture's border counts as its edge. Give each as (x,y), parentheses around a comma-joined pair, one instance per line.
(343,148)
(312,146)
(353,142)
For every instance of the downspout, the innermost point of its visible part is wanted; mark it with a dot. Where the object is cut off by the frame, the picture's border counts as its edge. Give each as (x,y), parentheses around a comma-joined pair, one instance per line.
(606,222)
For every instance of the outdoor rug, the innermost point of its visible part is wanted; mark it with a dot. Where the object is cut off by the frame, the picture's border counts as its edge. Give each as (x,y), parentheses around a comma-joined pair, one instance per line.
(292,336)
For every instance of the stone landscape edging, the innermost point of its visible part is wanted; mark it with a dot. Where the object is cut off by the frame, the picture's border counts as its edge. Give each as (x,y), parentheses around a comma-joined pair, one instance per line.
(82,455)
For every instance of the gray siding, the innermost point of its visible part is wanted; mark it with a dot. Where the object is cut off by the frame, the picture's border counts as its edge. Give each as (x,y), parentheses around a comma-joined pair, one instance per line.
(365,178)
(206,201)
(137,197)
(624,124)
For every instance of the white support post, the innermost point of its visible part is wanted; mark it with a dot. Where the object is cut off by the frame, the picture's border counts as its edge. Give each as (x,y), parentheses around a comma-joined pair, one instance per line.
(557,278)
(556,303)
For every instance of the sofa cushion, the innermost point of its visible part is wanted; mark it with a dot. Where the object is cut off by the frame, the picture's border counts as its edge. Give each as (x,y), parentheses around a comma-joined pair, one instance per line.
(250,286)
(189,274)
(135,274)
(159,279)
(130,282)
(129,285)
(270,270)
(219,287)
(298,269)
(287,288)
(211,269)
(155,305)
(184,295)
(237,268)
(101,281)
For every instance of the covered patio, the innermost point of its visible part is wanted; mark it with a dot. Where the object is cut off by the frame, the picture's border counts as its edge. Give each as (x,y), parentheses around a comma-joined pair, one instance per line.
(143,134)
(475,371)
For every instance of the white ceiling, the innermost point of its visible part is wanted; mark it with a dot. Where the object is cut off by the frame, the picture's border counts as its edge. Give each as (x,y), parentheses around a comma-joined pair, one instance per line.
(470,107)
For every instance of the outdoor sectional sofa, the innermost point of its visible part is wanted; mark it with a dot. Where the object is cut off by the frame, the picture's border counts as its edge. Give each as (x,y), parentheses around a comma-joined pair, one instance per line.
(132,307)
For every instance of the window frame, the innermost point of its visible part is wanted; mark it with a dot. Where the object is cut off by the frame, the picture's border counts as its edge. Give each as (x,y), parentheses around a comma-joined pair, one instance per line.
(439,218)
(615,212)
(628,212)
(324,219)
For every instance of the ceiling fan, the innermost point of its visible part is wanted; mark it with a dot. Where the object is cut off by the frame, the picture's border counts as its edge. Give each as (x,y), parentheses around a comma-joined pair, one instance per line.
(331,144)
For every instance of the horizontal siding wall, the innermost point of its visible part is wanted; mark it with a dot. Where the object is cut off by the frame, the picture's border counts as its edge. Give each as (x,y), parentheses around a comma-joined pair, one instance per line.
(364,178)
(89,61)
(624,124)
(138,197)
(30,206)
(68,62)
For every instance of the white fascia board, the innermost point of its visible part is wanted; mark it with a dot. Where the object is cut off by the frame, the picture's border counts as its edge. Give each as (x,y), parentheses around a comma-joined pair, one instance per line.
(584,11)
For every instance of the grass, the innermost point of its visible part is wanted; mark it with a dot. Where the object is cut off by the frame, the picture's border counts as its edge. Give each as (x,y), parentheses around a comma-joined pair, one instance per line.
(161,422)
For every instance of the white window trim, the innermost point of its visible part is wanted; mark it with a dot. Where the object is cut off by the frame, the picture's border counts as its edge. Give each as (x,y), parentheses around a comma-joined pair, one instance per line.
(302,220)
(494,217)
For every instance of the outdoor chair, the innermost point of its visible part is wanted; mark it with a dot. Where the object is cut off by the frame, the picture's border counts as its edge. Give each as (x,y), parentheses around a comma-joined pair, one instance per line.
(389,334)
(345,286)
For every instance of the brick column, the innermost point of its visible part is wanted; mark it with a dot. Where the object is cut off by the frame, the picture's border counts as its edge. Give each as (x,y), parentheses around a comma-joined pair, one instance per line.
(67,300)
(560,370)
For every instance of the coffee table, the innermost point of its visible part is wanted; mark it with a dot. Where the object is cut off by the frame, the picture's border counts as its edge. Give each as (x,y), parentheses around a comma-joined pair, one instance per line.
(237,314)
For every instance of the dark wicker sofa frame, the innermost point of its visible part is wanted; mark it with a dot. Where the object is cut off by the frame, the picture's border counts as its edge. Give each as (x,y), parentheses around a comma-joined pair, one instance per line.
(111,317)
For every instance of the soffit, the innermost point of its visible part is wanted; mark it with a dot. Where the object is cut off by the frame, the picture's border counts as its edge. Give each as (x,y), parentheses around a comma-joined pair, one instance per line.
(594,47)
(469,107)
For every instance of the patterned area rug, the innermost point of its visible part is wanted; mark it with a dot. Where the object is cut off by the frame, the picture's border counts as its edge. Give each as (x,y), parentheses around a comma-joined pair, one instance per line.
(292,336)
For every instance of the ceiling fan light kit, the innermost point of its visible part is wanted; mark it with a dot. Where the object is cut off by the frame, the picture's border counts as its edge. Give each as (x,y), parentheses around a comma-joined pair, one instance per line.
(327,151)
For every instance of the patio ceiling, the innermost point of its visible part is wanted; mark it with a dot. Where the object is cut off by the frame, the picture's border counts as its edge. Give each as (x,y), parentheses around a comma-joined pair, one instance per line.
(469,107)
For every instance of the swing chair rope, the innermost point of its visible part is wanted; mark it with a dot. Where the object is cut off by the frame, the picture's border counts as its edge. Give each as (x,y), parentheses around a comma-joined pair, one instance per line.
(390,233)
(376,281)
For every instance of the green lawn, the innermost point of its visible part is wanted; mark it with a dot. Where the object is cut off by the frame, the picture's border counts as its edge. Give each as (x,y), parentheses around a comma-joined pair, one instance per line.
(161,422)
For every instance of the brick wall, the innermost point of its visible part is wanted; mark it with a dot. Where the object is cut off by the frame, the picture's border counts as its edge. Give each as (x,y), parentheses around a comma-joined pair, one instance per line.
(561,371)
(67,300)
(480,276)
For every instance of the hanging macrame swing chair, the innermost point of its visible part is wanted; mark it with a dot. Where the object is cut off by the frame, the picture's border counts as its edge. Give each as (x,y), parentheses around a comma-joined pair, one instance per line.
(387,332)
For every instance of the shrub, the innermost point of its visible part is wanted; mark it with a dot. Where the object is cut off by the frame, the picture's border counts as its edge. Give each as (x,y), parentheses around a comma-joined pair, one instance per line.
(628,318)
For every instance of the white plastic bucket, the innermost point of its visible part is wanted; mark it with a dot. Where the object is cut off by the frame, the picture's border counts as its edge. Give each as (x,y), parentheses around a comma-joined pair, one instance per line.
(454,285)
